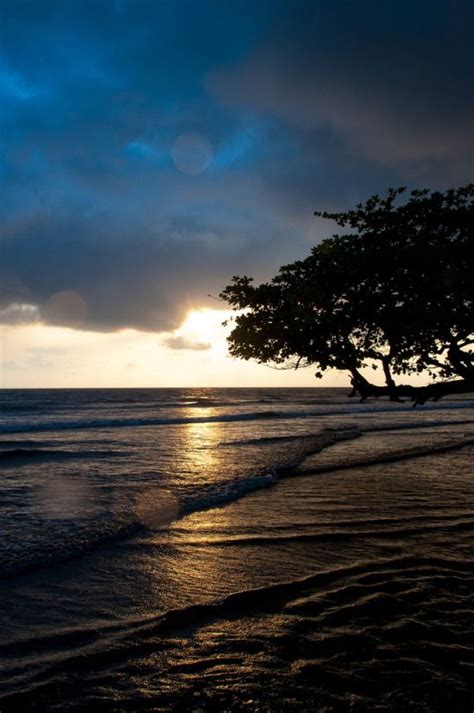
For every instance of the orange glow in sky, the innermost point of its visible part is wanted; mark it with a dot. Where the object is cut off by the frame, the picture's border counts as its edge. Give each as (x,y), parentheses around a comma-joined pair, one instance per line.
(195,354)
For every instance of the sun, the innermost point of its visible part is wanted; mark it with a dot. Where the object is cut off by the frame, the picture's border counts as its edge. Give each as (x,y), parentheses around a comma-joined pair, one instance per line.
(205,325)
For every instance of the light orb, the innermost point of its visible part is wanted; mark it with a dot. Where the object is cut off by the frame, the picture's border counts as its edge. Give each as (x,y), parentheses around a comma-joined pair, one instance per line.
(192,153)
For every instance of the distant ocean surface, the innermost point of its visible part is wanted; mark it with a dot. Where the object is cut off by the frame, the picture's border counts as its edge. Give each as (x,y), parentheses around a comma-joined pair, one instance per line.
(235,550)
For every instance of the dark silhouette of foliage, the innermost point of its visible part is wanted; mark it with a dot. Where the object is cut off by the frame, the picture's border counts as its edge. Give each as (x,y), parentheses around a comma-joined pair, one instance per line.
(395,293)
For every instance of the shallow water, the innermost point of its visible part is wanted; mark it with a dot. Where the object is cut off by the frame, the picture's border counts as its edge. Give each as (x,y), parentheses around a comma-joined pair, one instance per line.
(235,549)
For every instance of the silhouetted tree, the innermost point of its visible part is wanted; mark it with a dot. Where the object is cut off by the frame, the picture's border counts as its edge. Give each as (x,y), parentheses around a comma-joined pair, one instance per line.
(396,293)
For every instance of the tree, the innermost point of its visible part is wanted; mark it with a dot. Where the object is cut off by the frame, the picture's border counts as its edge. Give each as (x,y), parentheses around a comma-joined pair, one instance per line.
(395,293)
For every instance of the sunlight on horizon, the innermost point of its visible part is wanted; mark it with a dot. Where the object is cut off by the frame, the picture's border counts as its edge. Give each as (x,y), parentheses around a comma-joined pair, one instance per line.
(193,355)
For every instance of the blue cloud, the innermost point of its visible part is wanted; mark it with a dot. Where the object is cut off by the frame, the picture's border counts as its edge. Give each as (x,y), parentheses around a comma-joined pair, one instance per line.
(13,85)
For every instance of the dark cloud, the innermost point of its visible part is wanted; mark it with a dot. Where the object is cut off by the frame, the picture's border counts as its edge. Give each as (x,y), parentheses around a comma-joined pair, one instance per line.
(291,107)
(394,80)
(113,276)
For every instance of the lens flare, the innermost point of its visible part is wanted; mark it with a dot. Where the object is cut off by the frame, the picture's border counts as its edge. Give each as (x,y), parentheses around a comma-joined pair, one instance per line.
(192,153)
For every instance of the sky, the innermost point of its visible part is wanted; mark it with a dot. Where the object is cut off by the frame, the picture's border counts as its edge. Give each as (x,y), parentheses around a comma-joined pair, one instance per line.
(152,149)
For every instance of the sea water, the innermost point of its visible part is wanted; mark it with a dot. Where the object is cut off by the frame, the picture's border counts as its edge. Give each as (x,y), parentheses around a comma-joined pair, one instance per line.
(234,549)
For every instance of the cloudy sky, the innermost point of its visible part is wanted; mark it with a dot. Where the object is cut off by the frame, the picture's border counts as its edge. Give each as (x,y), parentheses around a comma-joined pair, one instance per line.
(151,149)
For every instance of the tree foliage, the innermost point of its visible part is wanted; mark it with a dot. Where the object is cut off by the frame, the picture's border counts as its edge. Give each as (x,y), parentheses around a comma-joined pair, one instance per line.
(396,292)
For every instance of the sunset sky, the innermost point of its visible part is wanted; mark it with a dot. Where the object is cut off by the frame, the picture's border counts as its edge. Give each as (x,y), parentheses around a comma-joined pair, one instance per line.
(149,150)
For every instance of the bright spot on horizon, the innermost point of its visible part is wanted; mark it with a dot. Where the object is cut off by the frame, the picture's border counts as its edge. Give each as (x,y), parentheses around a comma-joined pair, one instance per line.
(192,153)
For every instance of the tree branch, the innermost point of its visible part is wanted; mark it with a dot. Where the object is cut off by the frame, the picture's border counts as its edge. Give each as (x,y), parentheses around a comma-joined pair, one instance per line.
(418,394)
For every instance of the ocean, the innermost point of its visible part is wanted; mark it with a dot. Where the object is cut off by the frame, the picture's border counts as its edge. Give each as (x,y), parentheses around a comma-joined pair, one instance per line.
(235,550)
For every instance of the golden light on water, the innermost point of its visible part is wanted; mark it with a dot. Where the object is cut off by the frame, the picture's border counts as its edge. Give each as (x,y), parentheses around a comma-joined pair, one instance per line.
(202,440)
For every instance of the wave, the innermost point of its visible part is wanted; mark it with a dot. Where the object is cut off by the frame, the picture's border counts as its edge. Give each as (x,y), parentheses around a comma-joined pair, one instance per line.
(209,497)
(392,457)
(8,443)
(332,535)
(67,550)
(213,496)
(85,424)
(41,407)
(433,423)
(102,533)
(340,432)
(204,498)
(216,496)
(317,443)
(351,409)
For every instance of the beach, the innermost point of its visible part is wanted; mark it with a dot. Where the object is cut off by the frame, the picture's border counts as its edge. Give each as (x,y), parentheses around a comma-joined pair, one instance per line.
(235,549)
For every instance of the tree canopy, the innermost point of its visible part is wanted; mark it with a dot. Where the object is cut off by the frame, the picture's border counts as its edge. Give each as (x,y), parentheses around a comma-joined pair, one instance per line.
(395,293)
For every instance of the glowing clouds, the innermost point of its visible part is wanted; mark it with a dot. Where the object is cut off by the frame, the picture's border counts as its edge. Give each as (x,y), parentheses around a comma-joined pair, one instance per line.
(192,153)
(19,313)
